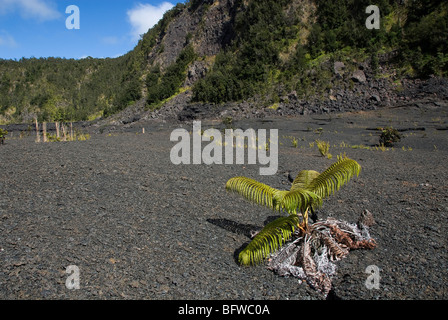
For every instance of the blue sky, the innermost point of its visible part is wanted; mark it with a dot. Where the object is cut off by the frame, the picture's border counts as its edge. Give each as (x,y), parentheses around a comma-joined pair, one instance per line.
(108,28)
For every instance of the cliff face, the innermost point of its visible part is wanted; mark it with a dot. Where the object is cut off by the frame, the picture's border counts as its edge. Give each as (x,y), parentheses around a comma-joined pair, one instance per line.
(209,28)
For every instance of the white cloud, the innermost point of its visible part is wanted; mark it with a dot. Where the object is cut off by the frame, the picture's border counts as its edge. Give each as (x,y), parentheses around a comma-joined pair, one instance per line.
(42,10)
(6,40)
(144,16)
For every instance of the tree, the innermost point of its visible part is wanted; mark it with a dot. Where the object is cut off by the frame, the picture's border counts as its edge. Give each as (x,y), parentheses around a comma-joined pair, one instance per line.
(424,45)
(3,134)
(307,191)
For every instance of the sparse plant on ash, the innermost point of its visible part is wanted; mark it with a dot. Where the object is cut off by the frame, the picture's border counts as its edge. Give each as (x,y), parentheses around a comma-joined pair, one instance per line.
(294,142)
(3,134)
(389,136)
(294,246)
(324,148)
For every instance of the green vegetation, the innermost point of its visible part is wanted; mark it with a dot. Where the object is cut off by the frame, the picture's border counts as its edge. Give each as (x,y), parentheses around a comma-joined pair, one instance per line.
(252,64)
(249,64)
(293,246)
(324,148)
(228,122)
(424,43)
(276,46)
(294,142)
(389,136)
(308,190)
(55,89)
(162,86)
(3,134)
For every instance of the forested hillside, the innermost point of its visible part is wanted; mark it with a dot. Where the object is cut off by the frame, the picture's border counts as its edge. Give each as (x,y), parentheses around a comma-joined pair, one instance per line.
(275,47)
(58,89)
(230,50)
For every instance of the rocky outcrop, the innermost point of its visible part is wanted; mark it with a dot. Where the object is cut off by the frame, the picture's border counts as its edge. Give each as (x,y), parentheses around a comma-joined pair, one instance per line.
(208,27)
(216,29)
(197,70)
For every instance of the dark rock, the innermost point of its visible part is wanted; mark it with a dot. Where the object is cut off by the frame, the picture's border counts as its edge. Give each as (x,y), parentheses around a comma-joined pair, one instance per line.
(375,98)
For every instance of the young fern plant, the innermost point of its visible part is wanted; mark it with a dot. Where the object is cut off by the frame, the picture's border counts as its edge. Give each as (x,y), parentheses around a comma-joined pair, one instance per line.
(307,192)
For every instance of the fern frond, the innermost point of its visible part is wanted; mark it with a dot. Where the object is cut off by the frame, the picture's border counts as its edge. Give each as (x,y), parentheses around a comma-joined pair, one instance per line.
(332,179)
(297,199)
(304,179)
(253,191)
(278,197)
(269,240)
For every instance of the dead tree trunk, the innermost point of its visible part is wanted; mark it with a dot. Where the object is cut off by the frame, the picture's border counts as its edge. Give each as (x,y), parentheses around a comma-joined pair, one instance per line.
(56,124)
(44,128)
(37,131)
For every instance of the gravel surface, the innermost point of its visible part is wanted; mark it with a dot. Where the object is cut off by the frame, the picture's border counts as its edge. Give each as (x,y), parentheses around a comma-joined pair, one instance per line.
(139,227)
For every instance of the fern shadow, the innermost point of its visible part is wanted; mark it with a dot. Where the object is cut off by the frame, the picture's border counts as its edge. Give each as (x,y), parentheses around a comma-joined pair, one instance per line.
(240,228)
(235,227)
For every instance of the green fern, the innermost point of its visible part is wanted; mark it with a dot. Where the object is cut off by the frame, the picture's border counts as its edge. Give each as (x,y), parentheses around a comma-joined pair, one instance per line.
(269,240)
(252,190)
(332,179)
(304,179)
(308,190)
(297,199)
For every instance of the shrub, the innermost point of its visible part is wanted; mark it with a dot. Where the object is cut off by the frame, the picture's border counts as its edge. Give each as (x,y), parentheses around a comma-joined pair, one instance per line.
(3,134)
(389,136)
(228,122)
(323,147)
